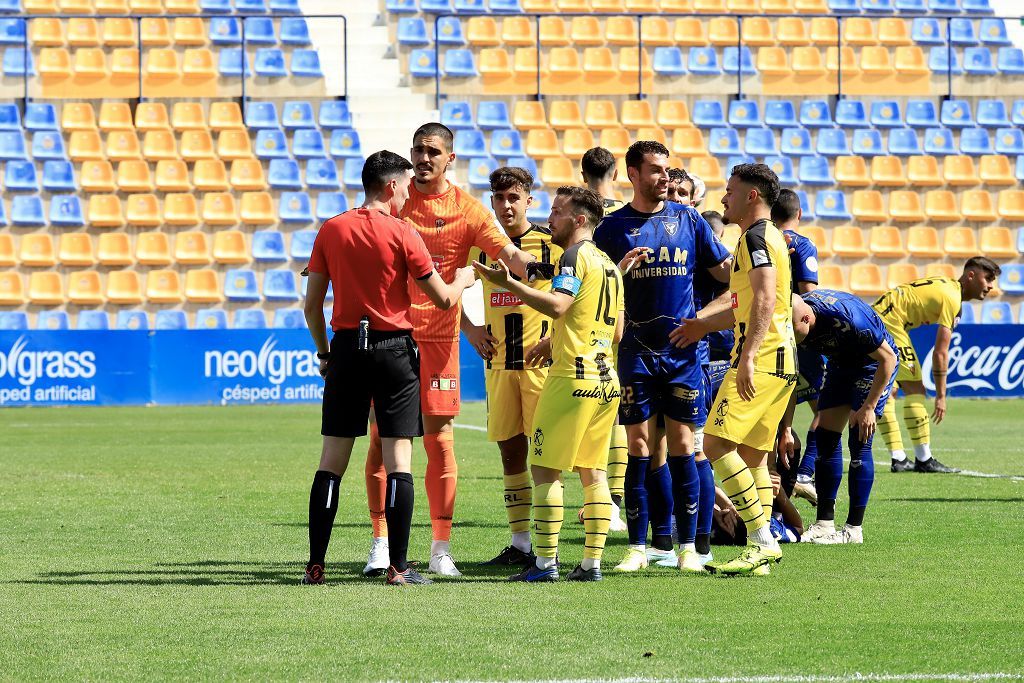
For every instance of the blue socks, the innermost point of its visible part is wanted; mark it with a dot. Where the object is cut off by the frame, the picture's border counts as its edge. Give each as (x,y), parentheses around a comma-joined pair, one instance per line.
(862,476)
(686,493)
(806,468)
(705,506)
(636,499)
(829,471)
(660,505)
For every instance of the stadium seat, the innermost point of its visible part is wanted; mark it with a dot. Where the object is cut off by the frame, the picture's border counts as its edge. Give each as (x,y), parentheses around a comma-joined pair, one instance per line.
(345,143)
(791,31)
(211,319)
(170,320)
(738,60)
(322,174)
(783,168)
(289,318)
(939,141)
(851,171)
(209,175)
(686,142)
(807,61)
(602,114)
(492,115)
(1011,205)
(233,144)
(151,116)
(45,289)
(867,142)
(894,31)
(796,142)
(815,114)
(760,142)
(457,115)
(12,146)
(773,61)
(1009,141)
(851,114)
(869,206)
(153,249)
(1010,61)
(308,143)
(995,169)
(901,273)
(992,114)
(257,208)
(967,312)
(996,313)
(270,144)
(904,142)
(158,145)
(195,145)
(228,116)
(960,242)
(1011,280)
(708,114)
(268,246)
(940,205)
(961,32)
(831,205)
(37,251)
(202,286)
(250,319)
(93,320)
(637,114)
(114,249)
(815,171)
(886,241)
(302,244)
(975,142)
(943,61)
(565,114)
(668,61)
(723,31)
(923,171)
(17,63)
(181,208)
(978,61)
(27,211)
(58,176)
(703,61)
(295,207)
(977,206)
(334,114)
(20,176)
(576,141)
(887,171)
(742,114)
(85,288)
(11,320)
(247,174)
(134,176)
(460,63)
(956,114)
(833,142)
(723,141)
(922,114)
(848,242)
(52,320)
(866,280)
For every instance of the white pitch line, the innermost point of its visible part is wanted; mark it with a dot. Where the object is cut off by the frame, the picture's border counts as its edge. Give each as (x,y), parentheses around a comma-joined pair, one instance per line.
(809,678)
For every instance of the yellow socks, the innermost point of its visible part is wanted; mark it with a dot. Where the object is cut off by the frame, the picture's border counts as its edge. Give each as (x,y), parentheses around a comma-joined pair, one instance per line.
(617,462)
(738,483)
(597,507)
(889,428)
(763,482)
(547,518)
(915,416)
(518,499)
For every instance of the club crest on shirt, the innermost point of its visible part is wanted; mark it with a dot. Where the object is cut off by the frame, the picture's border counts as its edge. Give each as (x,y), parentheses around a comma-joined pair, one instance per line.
(671,227)
(439,223)
(634,232)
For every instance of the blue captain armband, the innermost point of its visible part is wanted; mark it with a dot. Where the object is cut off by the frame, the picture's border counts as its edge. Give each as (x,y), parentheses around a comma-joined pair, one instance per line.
(567,284)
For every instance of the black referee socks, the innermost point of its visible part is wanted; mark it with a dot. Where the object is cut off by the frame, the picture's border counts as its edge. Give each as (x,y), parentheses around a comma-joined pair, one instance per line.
(323,506)
(398,512)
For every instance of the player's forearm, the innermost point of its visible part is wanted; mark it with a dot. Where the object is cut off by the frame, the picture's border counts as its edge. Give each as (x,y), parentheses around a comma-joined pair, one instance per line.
(760,317)
(723,320)
(317,329)
(544,302)
(722,302)
(787,417)
(940,367)
(517,262)
(878,383)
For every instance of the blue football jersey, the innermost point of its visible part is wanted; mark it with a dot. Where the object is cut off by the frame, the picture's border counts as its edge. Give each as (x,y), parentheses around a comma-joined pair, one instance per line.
(846,329)
(803,259)
(659,292)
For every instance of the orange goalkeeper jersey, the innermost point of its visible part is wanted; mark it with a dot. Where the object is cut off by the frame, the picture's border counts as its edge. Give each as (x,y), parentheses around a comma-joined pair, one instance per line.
(452,224)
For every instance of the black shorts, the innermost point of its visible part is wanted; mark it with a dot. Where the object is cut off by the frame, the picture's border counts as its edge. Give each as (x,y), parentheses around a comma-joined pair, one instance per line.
(387,374)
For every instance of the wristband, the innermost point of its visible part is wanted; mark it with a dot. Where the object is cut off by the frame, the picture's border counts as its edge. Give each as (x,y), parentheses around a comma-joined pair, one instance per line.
(323,356)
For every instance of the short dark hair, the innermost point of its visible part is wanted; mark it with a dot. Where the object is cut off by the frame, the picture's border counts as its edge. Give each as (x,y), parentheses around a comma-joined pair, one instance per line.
(762,178)
(986,265)
(437,130)
(639,149)
(584,201)
(712,217)
(507,177)
(679,175)
(786,207)
(597,163)
(380,167)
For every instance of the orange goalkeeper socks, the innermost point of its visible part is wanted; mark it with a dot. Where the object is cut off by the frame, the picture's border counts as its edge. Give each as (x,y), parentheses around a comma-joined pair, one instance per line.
(442,477)
(376,485)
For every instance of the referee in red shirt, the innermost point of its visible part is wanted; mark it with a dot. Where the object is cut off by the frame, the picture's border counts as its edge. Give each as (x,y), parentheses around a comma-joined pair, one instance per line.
(369,256)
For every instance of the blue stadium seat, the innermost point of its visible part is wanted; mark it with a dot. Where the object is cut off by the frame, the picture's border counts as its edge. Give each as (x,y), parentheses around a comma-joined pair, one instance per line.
(137,320)
(345,143)
(805,205)
(815,170)
(296,114)
(967,314)
(460,63)
(268,245)
(668,61)
(760,142)
(27,211)
(229,63)
(881,6)
(867,142)
(211,319)
(956,114)
(401,6)
(944,6)
(259,31)
(10,117)
(723,142)
(541,208)
(975,142)
(703,61)
(903,142)
(506,143)
(352,173)
(12,146)
(240,285)
(1020,240)
(170,320)
(66,211)
(996,313)
(279,285)
(851,114)
(744,114)
(250,6)
(1017,113)
(284,174)
(271,144)
(492,114)
(978,62)
(15,63)
(1019,174)
(449,32)
(886,114)
(922,114)
(480,170)
(270,62)
(12,31)
(1009,141)
(530,165)
(322,174)
(470,143)
(844,6)
(308,143)
(261,115)
(780,114)
(294,207)
(93,320)
(977,6)
(20,176)
(708,114)
(993,32)
(329,204)
(738,60)
(250,319)
(13,320)
(927,31)
(294,31)
(943,61)
(436,6)
(471,6)
(1011,61)
(457,115)
(734,161)
(815,114)
(506,7)
(48,144)
(961,32)
(10,6)
(993,114)
(215,6)
(412,31)
(289,319)
(302,243)
(423,63)
(833,142)
(334,114)
(796,142)
(939,141)
(830,205)
(40,116)
(285,7)
(225,31)
(783,167)
(1011,280)
(52,320)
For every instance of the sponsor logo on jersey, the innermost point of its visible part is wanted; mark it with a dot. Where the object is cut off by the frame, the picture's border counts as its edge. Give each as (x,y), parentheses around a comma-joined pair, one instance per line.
(735,301)
(605,392)
(444,382)
(759,258)
(501,298)
(685,394)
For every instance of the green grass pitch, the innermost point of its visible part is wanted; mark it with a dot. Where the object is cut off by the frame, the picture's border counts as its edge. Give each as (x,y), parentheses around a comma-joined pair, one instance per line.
(167,543)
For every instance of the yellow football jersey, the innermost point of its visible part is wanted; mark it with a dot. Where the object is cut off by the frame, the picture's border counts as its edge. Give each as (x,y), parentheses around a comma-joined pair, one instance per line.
(921,302)
(581,342)
(763,246)
(612,205)
(517,326)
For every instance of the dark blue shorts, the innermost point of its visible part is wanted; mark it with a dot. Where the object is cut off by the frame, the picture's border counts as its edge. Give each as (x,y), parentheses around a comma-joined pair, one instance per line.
(716,374)
(812,374)
(659,385)
(849,385)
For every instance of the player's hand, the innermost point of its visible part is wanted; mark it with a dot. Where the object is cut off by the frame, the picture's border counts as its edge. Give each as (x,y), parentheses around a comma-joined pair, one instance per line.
(539,353)
(789,242)
(940,409)
(465,277)
(745,379)
(776,483)
(497,274)
(690,332)
(786,446)
(634,257)
(483,341)
(727,519)
(864,422)
(323,368)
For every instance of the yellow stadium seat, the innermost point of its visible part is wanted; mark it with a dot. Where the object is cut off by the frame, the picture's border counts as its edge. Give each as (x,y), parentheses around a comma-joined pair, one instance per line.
(247,174)
(910,60)
(940,205)
(85,145)
(554,32)
(852,171)
(76,249)
(690,32)
(600,114)
(234,144)
(7,257)
(90,61)
(866,279)
(710,6)
(621,31)
(134,176)
(482,32)
(573,5)
(757,32)
(923,170)
(887,171)
(124,287)
(615,140)
(114,249)
(143,210)
(83,32)
(622,173)
(960,242)
(598,62)
(996,169)
(585,30)
(163,287)
(643,6)
(777,6)
(150,116)
(773,61)
(997,242)
(977,206)
(811,6)
(158,145)
(153,249)
(528,114)
(119,32)
(542,143)
(708,170)
(182,6)
(848,242)
(565,62)
(97,175)
(12,292)
(868,206)
(743,6)
(37,250)
(673,114)
(656,134)
(219,208)
(192,248)
(198,63)
(905,206)
(517,32)
(257,208)
(633,61)
(112,7)
(495,62)
(677,6)
(807,61)
(40,6)
(941,270)
(45,289)
(608,5)
(54,63)
(85,288)
(832,277)
(156,32)
(576,141)
(960,170)
(901,273)
(539,6)
(124,64)
(76,6)
(557,171)
(656,32)
(188,116)
(886,242)
(859,31)
(162,63)
(197,144)
(923,242)
(565,114)
(202,287)
(105,211)
(1011,205)
(824,31)
(181,208)
(792,31)
(189,31)
(723,31)
(172,175)
(123,144)
(46,32)
(151,7)
(875,61)
(849,61)
(637,114)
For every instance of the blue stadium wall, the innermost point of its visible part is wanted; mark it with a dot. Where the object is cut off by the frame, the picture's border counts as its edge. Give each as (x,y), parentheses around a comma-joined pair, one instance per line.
(222,367)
